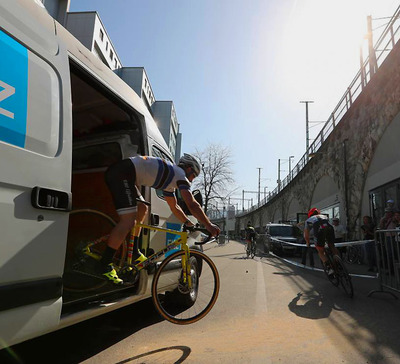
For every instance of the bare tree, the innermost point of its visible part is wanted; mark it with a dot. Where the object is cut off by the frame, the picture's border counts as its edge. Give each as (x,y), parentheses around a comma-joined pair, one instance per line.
(216,174)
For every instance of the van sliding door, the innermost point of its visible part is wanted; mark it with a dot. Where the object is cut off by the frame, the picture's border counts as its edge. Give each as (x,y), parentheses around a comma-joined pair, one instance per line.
(35,164)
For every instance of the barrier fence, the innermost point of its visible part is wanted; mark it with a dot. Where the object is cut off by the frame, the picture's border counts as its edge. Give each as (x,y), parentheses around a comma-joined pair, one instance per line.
(387,254)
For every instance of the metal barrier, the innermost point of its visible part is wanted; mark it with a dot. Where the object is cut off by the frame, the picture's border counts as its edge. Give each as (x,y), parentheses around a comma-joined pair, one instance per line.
(387,254)
(266,241)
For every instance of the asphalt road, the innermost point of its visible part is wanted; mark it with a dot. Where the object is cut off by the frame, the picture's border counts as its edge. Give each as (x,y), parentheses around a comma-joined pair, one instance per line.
(268,311)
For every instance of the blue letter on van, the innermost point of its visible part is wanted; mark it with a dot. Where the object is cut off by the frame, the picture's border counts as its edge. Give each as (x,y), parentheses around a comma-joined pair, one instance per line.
(13,90)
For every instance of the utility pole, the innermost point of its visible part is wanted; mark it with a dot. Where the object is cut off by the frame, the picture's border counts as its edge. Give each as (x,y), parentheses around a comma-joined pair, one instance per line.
(373,66)
(307,127)
(259,180)
(290,167)
(279,176)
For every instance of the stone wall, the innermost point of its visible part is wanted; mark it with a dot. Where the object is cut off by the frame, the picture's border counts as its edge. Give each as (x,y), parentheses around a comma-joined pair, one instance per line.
(346,154)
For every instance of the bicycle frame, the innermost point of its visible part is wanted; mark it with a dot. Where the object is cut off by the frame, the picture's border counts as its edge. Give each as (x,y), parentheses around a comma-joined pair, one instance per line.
(180,241)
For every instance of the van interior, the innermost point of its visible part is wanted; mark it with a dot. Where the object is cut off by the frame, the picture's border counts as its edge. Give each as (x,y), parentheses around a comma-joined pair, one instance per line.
(104,131)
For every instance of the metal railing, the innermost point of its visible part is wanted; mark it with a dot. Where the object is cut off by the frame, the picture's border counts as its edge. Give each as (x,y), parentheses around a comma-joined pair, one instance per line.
(387,247)
(385,43)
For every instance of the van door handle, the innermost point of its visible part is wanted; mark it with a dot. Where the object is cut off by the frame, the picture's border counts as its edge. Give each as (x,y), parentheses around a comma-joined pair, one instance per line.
(154,219)
(49,199)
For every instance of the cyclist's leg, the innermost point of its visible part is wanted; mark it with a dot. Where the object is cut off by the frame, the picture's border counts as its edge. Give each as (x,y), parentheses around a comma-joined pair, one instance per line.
(136,256)
(319,241)
(321,254)
(330,239)
(120,179)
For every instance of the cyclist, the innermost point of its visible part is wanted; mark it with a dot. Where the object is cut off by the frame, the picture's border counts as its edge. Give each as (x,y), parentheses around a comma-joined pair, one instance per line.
(124,180)
(250,233)
(318,227)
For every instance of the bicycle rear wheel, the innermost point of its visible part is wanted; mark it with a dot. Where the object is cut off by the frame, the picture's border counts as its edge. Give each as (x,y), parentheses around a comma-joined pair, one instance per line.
(85,226)
(174,300)
(344,277)
(253,249)
(333,278)
(247,250)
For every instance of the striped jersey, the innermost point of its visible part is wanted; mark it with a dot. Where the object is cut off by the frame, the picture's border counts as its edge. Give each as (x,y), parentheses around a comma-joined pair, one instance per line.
(159,174)
(315,222)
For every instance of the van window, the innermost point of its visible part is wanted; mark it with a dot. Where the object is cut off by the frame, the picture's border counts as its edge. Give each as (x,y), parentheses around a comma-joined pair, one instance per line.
(96,112)
(96,156)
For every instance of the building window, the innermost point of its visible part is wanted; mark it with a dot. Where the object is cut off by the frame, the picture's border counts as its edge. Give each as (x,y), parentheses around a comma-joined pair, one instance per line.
(106,46)
(116,64)
(101,34)
(111,54)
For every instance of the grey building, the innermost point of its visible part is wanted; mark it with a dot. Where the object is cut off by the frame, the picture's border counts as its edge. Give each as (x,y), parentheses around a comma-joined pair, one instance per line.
(136,78)
(89,29)
(165,117)
(163,111)
(57,9)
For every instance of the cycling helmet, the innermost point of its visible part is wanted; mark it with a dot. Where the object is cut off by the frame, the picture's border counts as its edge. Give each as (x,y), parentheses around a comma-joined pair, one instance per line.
(313,211)
(188,160)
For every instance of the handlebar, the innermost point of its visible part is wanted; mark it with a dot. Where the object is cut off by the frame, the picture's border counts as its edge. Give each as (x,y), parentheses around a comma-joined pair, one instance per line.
(197,228)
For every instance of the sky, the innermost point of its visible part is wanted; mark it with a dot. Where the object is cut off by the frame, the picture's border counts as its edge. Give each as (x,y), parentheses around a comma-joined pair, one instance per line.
(237,70)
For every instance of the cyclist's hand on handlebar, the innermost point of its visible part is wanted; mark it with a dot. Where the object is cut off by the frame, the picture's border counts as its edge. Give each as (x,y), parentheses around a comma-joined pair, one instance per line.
(213,229)
(188,223)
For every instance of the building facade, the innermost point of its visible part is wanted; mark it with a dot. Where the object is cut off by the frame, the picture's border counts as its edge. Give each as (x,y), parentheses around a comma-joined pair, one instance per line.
(89,29)
(165,116)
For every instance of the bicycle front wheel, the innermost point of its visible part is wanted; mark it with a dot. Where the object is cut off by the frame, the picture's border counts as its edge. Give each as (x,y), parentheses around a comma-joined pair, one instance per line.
(344,276)
(174,300)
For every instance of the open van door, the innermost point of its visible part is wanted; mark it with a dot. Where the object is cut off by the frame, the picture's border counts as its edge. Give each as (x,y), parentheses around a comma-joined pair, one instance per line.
(35,165)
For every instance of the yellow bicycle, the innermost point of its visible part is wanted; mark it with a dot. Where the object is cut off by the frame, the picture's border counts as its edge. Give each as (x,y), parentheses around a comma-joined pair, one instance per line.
(185,284)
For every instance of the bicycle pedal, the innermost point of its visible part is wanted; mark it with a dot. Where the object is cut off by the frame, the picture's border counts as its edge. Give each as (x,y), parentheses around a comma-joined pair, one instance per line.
(130,277)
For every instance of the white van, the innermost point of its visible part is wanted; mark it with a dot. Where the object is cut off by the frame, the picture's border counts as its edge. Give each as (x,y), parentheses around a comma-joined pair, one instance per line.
(64,117)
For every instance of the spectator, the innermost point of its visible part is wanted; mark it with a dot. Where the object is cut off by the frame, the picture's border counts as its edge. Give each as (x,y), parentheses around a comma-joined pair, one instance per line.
(340,231)
(388,222)
(340,234)
(396,219)
(390,204)
(368,230)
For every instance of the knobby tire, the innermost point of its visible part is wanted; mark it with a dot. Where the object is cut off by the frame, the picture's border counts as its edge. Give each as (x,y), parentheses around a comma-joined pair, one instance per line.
(176,305)
(344,277)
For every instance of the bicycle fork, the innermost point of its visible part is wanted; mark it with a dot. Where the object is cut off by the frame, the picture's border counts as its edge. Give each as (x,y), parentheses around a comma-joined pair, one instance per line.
(186,269)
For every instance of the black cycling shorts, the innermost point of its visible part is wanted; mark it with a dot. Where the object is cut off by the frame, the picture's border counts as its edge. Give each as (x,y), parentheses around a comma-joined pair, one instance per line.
(120,178)
(325,234)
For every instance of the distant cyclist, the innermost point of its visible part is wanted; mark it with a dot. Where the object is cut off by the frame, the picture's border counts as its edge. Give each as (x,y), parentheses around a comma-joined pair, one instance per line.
(250,235)
(124,180)
(318,227)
